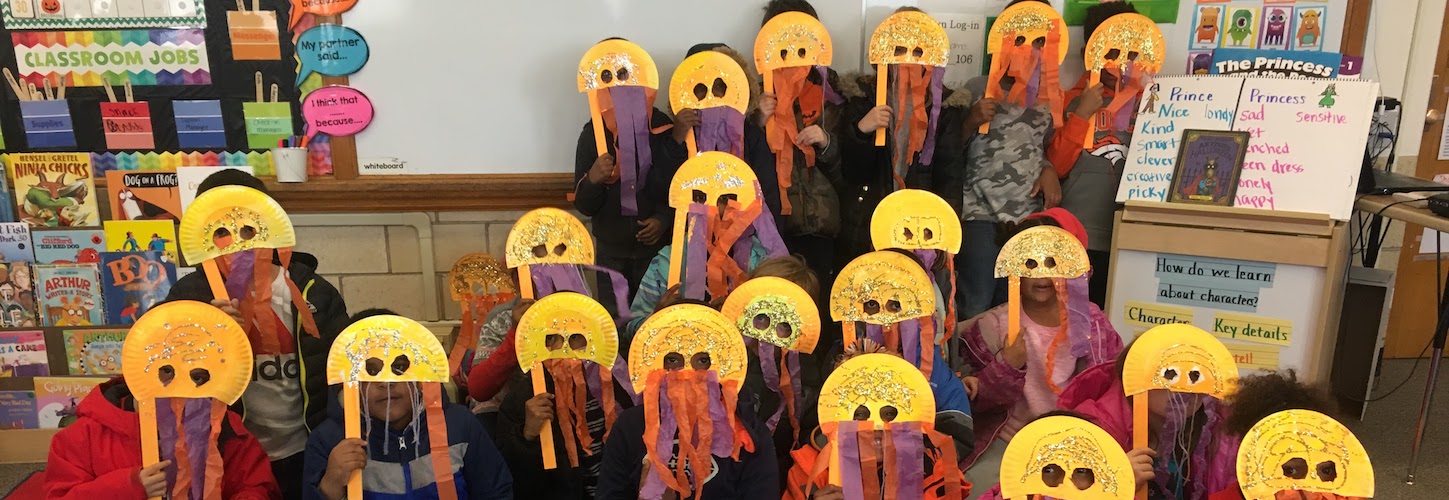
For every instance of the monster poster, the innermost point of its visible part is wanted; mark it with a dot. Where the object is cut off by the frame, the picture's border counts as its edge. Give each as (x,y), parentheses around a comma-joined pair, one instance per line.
(54,189)
(1208,166)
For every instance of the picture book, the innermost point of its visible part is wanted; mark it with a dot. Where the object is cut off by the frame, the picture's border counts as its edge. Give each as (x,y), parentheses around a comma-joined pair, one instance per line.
(56,398)
(142,236)
(17,410)
(144,195)
(68,246)
(94,352)
(15,242)
(190,179)
(54,189)
(22,354)
(17,295)
(7,197)
(70,294)
(132,282)
(1208,167)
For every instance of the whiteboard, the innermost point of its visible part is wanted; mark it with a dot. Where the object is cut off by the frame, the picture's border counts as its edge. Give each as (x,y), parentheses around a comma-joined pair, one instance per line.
(475,86)
(1203,290)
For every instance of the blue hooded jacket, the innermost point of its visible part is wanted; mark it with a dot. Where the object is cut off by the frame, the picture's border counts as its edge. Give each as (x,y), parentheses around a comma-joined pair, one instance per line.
(399,465)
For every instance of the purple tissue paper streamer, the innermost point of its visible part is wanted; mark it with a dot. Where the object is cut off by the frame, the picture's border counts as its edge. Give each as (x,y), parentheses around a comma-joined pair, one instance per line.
(928,150)
(770,370)
(875,333)
(766,230)
(721,128)
(1079,316)
(1033,84)
(621,291)
(910,333)
(722,434)
(906,438)
(654,486)
(196,422)
(166,436)
(631,117)
(831,96)
(696,256)
(239,280)
(848,447)
(928,258)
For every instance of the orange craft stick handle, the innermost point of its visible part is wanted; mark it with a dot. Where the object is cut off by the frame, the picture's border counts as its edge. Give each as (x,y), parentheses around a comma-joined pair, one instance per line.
(596,116)
(150,454)
(882,88)
(213,278)
(525,283)
(352,427)
(1087,140)
(545,436)
(1139,431)
(693,146)
(769,76)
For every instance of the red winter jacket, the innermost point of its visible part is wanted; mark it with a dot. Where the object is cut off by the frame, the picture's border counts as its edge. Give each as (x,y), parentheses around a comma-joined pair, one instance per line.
(99,455)
(490,375)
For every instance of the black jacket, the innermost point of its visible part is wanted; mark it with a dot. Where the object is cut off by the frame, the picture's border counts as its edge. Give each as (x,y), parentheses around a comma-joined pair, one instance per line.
(524,457)
(757,155)
(866,168)
(328,310)
(615,231)
(753,477)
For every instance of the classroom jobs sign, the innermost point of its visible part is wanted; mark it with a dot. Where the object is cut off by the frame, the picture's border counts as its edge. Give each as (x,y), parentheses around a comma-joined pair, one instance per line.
(82,58)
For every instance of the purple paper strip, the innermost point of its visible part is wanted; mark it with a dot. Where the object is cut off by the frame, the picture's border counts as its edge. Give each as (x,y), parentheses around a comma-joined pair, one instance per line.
(664,445)
(792,363)
(621,377)
(591,379)
(1079,316)
(907,440)
(770,369)
(928,150)
(631,122)
(875,333)
(910,332)
(722,434)
(1033,84)
(696,253)
(721,128)
(243,269)
(928,258)
(848,447)
(196,422)
(166,436)
(621,292)
(831,96)
(766,230)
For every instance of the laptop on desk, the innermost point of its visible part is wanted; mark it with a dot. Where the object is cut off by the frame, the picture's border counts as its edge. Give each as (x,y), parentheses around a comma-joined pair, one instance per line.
(1389,183)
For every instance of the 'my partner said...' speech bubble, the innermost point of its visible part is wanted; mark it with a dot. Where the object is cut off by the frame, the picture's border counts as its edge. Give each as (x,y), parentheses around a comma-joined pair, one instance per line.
(331,50)
(318,7)
(336,110)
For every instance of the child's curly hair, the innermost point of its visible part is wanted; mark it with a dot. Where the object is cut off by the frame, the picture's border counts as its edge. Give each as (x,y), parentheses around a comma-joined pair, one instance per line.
(1264,394)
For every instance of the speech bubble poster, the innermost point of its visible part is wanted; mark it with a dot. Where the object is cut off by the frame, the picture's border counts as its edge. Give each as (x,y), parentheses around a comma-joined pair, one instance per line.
(127,125)
(254,35)
(337,111)
(47,124)
(267,123)
(199,124)
(330,50)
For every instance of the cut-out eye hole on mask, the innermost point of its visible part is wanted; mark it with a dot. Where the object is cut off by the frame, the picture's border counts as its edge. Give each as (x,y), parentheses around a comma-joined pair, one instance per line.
(247,233)
(400,364)
(1050,262)
(673,361)
(900,51)
(1083,478)
(1296,468)
(1194,375)
(607,76)
(889,413)
(166,374)
(373,366)
(700,361)
(553,341)
(862,413)
(785,53)
(1113,54)
(918,53)
(1052,475)
(762,321)
(908,234)
(623,73)
(893,306)
(700,91)
(929,235)
(1132,56)
(540,251)
(801,52)
(559,249)
(578,341)
(1170,375)
(784,330)
(871,307)
(1031,264)
(700,197)
(221,237)
(720,88)
(200,376)
(1020,41)
(1327,471)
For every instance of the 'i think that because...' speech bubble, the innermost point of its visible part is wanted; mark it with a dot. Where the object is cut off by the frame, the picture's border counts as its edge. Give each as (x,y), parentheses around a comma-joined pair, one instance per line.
(336,110)
(331,50)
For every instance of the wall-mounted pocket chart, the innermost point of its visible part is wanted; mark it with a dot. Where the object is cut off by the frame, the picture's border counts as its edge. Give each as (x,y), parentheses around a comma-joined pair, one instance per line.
(47,124)
(1307,137)
(199,124)
(254,35)
(127,125)
(267,122)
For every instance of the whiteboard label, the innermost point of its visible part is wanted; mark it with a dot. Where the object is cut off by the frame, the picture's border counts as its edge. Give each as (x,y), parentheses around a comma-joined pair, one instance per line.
(382,166)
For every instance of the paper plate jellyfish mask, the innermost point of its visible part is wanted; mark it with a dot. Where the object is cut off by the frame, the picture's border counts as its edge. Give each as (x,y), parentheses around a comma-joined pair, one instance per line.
(1189,363)
(1066,458)
(1306,452)
(878,414)
(788,49)
(393,349)
(714,85)
(1130,48)
(478,282)
(689,361)
(621,81)
(779,321)
(550,248)
(232,231)
(1047,252)
(718,208)
(924,224)
(1027,43)
(912,49)
(573,339)
(185,362)
(895,299)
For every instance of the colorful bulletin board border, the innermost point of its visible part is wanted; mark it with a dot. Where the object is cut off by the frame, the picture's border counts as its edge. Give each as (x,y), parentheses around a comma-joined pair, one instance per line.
(1270,331)
(88,58)
(77,15)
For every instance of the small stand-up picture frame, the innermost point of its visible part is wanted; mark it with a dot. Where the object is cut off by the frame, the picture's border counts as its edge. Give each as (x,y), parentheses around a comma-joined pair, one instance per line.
(1208,167)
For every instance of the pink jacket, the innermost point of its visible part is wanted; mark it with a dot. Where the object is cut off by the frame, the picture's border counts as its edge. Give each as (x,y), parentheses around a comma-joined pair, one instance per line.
(983,338)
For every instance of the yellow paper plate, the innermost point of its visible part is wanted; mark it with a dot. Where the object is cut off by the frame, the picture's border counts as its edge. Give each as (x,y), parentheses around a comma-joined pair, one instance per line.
(187,349)
(617,63)
(548,236)
(1179,358)
(1050,455)
(1303,450)
(912,219)
(910,37)
(477,271)
(1042,252)
(565,315)
(790,40)
(1029,20)
(705,74)
(882,288)
(231,219)
(709,176)
(763,308)
(1128,33)
(386,349)
(877,381)
(687,329)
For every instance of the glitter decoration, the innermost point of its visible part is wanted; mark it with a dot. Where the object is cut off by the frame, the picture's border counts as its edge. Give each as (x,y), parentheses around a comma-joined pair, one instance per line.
(177,339)
(792,39)
(548,236)
(1042,252)
(387,339)
(1029,21)
(231,219)
(713,174)
(910,37)
(1128,33)
(566,314)
(688,329)
(705,73)
(1179,358)
(912,219)
(617,63)
(782,305)
(876,381)
(478,274)
(882,288)
(1303,451)
(1065,457)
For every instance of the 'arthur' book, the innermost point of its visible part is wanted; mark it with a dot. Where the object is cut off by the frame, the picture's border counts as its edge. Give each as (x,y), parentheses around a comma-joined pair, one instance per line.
(144,195)
(133,282)
(54,189)
(22,354)
(68,246)
(94,352)
(70,294)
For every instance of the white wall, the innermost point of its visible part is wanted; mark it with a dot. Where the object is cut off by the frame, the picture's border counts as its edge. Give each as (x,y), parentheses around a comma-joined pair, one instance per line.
(1403,39)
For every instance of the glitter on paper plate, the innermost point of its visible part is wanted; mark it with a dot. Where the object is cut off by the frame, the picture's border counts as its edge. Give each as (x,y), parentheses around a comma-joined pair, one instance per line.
(764,307)
(564,315)
(548,236)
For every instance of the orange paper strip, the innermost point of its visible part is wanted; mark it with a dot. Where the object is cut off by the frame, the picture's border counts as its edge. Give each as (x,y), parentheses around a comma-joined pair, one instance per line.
(596,116)
(882,81)
(545,436)
(150,454)
(352,427)
(213,277)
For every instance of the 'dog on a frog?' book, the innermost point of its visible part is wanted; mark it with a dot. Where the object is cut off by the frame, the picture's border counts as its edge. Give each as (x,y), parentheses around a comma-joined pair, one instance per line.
(94,352)
(133,282)
(70,294)
(144,195)
(54,189)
